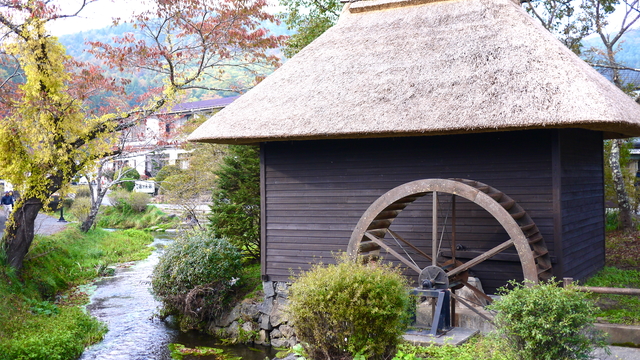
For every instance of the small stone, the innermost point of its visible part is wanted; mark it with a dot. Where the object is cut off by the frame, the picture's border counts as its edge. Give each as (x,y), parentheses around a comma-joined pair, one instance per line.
(266,307)
(264,322)
(233,329)
(278,315)
(279,343)
(276,334)
(249,326)
(250,311)
(282,289)
(232,316)
(263,338)
(269,291)
(287,331)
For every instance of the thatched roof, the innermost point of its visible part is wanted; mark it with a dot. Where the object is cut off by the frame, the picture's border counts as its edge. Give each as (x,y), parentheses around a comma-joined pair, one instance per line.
(421,67)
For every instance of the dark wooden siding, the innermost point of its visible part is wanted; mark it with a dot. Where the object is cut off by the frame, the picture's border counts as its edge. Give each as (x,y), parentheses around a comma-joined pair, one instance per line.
(582,202)
(316,192)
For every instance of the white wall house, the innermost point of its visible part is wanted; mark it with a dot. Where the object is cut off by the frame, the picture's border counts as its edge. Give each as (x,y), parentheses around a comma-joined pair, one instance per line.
(157,142)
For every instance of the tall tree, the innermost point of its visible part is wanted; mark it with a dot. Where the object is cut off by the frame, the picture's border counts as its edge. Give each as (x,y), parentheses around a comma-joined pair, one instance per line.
(235,212)
(56,123)
(310,19)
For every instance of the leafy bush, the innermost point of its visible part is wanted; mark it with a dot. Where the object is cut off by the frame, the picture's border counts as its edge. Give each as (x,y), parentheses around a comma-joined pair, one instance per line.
(350,308)
(235,212)
(139,201)
(193,279)
(83,191)
(127,184)
(127,202)
(118,198)
(81,208)
(546,322)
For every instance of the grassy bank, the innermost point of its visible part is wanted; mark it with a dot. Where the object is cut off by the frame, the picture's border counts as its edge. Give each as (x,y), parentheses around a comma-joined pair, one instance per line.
(40,314)
(127,218)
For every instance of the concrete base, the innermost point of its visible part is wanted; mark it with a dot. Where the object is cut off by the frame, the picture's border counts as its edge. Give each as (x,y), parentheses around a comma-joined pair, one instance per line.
(621,334)
(456,336)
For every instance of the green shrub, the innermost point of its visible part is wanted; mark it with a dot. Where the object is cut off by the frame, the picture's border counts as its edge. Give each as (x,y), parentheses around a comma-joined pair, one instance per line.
(350,308)
(139,201)
(81,208)
(546,322)
(119,199)
(83,191)
(612,219)
(127,184)
(193,278)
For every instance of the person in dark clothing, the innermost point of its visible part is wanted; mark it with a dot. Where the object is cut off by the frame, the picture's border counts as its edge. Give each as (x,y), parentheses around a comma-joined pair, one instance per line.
(7,204)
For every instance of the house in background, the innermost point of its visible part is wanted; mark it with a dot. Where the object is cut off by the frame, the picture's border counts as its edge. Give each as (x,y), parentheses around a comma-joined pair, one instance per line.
(157,142)
(404,90)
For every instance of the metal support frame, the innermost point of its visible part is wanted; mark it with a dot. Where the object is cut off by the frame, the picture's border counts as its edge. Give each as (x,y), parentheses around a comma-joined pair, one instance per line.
(441,321)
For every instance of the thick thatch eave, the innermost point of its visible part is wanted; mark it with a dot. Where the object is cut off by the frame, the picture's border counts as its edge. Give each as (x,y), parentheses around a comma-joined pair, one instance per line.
(420,67)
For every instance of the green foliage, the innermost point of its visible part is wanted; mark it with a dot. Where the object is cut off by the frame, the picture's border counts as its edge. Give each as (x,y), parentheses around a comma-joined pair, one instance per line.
(125,218)
(621,309)
(39,316)
(310,19)
(138,201)
(129,202)
(485,348)
(193,279)
(235,212)
(350,308)
(546,322)
(81,208)
(612,219)
(167,171)
(82,191)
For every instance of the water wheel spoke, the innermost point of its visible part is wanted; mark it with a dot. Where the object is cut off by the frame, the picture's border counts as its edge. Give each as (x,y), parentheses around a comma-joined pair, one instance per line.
(477,291)
(394,253)
(480,258)
(420,252)
(471,307)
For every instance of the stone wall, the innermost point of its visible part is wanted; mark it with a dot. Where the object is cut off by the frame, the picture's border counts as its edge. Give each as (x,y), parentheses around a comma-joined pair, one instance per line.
(266,322)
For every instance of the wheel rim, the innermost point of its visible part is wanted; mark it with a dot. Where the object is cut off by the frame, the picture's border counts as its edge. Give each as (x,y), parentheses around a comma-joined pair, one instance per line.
(368,235)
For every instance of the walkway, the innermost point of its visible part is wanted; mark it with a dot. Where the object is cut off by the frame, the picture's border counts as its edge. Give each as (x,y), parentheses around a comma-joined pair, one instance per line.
(45,224)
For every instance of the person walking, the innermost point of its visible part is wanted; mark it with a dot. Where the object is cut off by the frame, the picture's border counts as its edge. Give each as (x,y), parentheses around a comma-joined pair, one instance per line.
(7,204)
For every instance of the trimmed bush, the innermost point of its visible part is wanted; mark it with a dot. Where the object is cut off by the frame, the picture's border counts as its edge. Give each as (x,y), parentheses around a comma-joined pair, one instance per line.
(350,308)
(193,279)
(546,322)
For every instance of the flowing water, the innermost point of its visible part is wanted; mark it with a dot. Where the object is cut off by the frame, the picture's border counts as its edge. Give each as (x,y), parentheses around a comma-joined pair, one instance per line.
(126,305)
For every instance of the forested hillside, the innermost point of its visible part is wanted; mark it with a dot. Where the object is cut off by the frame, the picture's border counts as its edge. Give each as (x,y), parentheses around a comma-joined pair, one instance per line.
(76,46)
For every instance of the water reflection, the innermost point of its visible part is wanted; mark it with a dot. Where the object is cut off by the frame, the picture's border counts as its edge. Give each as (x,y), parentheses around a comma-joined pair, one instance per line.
(126,305)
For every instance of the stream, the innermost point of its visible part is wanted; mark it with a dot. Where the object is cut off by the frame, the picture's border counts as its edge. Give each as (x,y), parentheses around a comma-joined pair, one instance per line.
(124,303)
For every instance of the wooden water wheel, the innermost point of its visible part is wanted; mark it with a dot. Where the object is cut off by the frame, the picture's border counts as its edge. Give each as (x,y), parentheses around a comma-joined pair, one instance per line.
(368,238)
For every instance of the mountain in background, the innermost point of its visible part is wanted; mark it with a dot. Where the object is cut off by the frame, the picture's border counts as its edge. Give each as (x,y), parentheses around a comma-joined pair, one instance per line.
(628,54)
(140,82)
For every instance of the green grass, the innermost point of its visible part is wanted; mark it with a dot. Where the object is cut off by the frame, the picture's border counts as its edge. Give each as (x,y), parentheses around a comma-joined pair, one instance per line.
(116,218)
(40,313)
(617,309)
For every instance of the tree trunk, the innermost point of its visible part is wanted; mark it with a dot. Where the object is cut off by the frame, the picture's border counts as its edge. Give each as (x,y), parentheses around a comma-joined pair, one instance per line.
(93,213)
(624,203)
(19,234)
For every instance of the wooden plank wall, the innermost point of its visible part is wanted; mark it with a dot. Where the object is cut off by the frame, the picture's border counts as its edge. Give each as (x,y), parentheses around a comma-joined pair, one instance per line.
(316,192)
(582,202)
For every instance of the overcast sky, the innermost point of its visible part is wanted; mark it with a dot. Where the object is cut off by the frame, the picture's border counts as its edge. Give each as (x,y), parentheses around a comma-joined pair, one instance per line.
(95,16)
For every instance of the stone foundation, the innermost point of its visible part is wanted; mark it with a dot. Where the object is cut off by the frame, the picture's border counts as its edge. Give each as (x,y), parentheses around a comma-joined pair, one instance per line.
(264,323)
